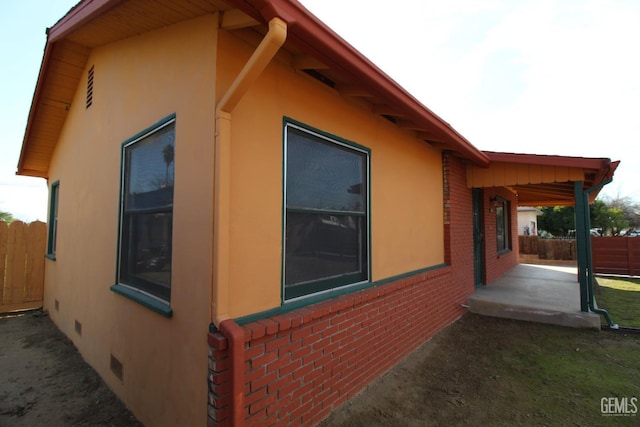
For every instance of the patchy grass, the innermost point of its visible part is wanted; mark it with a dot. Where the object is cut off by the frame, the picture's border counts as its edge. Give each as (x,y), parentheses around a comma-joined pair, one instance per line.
(498,372)
(621,298)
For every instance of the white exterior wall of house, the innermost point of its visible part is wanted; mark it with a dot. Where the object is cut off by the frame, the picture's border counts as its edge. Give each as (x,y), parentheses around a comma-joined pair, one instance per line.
(528,221)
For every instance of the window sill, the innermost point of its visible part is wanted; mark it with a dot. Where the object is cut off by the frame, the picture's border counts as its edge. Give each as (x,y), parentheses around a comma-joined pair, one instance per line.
(52,257)
(143,299)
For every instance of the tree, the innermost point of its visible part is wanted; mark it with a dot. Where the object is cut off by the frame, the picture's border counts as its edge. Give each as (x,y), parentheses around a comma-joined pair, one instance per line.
(558,220)
(168,155)
(611,216)
(610,219)
(6,217)
(628,208)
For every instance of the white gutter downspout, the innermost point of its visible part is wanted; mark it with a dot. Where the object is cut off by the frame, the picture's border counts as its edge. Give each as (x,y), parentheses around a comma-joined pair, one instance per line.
(272,42)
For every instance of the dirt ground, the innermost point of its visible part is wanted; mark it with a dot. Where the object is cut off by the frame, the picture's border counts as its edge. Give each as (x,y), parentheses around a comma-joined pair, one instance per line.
(433,386)
(478,371)
(45,382)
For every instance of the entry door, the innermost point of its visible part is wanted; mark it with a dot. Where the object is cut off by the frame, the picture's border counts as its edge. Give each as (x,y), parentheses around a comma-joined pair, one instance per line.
(478,238)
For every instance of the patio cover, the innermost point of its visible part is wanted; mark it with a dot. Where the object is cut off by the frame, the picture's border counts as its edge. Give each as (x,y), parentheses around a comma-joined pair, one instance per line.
(542,180)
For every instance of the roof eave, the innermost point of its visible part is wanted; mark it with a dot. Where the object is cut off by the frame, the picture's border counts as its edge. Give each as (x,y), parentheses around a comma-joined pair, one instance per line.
(22,170)
(74,19)
(307,30)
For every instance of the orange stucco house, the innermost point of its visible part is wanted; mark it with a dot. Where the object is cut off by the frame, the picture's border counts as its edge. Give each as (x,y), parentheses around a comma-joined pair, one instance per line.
(249,221)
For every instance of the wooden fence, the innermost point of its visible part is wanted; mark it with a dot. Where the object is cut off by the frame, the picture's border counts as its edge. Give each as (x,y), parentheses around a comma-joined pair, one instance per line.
(548,249)
(616,255)
(22,250)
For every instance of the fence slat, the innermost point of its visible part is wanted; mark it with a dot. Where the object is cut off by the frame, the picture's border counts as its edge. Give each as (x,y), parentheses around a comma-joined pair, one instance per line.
(36,247)
(616,255)
(16,258)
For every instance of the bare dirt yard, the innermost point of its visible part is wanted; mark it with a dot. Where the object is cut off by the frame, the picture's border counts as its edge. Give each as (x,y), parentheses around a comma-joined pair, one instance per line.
(45,382)
(480,371)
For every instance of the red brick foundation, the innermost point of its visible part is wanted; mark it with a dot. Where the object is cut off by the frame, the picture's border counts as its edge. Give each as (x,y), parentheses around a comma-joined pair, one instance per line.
(300,366)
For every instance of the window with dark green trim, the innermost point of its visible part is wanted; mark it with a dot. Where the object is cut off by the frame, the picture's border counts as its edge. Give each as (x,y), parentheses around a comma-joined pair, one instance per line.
(326,212)
(503,230)
(53,220)
(146,211)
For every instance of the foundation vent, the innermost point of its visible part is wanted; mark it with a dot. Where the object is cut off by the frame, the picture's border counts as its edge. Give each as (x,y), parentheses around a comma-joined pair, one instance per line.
(116,367)
(78,327)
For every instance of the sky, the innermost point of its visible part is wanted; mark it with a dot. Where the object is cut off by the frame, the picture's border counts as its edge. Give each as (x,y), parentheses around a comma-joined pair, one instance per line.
(525,76)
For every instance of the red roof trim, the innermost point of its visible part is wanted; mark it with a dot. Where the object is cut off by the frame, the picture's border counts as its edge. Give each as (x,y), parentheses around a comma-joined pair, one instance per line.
(550,160)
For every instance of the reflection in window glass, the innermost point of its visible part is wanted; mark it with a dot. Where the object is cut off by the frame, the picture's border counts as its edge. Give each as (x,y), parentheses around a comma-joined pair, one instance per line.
(326,213)
(147,212)
(502,225)
(53,220)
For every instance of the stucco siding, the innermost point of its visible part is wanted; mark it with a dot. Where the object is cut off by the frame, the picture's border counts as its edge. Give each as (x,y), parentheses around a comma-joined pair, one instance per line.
(137,82)
(407,231)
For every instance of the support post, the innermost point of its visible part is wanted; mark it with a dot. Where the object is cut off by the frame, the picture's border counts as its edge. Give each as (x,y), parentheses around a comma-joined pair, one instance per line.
(581,244)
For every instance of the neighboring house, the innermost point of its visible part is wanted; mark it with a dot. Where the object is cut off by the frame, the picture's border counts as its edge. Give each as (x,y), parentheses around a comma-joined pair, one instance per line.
(528,220)
(241,199)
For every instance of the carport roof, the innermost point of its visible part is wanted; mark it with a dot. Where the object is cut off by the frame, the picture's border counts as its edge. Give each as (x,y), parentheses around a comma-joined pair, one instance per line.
(542,180)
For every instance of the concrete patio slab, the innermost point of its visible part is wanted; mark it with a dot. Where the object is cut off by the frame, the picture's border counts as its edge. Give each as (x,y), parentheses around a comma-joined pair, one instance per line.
(536,293)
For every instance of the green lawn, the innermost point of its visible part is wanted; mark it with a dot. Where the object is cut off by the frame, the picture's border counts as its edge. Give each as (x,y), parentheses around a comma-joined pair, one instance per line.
(621,298)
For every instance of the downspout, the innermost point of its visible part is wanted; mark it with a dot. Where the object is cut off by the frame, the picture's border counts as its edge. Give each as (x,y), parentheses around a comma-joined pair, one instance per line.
(261,57)
(264,53)
(590,274)
(581,244)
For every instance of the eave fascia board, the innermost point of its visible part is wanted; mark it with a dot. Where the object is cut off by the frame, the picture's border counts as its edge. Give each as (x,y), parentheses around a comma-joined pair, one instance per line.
(595,163)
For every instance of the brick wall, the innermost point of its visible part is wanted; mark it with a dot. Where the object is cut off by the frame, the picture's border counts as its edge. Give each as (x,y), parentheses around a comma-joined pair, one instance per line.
(300,366)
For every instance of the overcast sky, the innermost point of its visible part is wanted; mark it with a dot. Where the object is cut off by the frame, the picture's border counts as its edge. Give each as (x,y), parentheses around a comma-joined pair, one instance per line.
(529,76)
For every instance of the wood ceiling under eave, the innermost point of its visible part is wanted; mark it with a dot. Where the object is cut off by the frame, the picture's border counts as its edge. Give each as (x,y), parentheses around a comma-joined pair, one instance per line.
(68,47)
(134,17)
(62,70)
(555,194)
(542,180)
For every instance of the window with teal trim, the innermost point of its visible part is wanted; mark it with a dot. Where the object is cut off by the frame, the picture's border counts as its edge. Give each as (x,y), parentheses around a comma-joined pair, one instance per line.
(502,225)
(146,215)
(53,220)
(326,213)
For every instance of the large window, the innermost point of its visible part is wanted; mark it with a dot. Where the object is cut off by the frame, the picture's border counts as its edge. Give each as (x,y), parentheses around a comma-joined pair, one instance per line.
(502,225)
(327,213)
(146,218)
(53,220)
